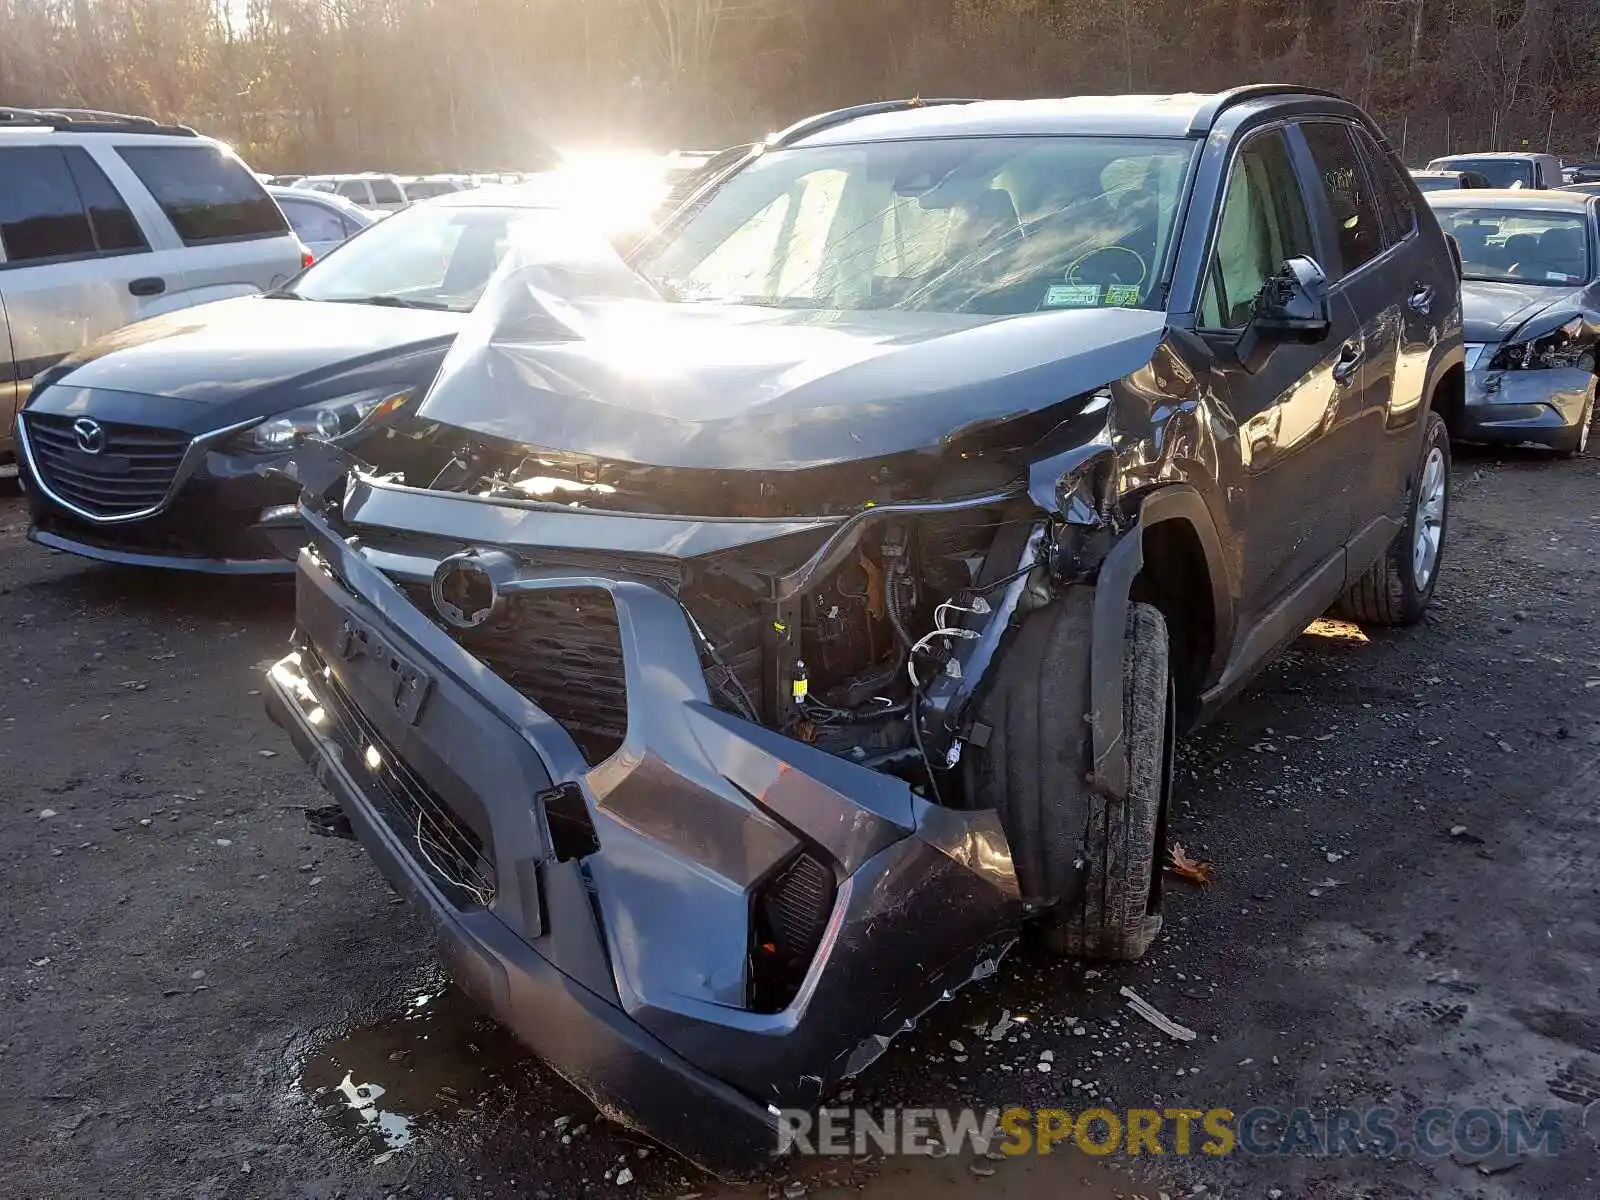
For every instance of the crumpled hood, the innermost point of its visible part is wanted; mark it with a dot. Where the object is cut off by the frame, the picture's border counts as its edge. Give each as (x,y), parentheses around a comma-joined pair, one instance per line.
(591,361)
(218,353)
(1492,311)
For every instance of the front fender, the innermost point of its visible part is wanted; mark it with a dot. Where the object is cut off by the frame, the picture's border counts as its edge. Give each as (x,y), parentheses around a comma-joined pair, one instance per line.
(1113,593)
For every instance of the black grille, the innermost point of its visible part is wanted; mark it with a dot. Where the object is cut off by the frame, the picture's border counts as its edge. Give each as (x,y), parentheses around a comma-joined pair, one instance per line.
(791,913)
(559,648)
(132,472)
(451,850)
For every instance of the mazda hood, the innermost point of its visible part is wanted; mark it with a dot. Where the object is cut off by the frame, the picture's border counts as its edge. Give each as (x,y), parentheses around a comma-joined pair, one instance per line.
(1492,311)
(215,354)
(587,358)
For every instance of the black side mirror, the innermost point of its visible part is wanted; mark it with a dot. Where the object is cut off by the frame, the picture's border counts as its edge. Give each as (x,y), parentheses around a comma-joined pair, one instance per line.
(1292,306)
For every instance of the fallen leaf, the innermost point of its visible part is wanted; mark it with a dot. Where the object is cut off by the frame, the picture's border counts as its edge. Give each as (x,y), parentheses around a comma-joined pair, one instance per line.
(1188,868)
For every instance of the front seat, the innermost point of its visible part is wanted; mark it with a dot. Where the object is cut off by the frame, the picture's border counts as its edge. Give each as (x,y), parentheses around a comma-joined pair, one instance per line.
(1564,252)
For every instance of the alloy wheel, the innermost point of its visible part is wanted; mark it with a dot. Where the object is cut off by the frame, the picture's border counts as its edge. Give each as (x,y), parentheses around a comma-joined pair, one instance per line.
(1429,523)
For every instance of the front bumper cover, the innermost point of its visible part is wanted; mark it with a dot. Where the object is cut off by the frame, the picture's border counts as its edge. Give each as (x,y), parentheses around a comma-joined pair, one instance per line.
(1538,406)
(625,967)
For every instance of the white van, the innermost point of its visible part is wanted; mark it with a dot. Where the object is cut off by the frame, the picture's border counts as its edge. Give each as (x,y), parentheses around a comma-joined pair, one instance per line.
(381,193)
(106,219)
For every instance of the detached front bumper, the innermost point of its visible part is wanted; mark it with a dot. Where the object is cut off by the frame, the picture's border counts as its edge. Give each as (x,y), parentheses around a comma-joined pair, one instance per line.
(1538,407)
(622,955)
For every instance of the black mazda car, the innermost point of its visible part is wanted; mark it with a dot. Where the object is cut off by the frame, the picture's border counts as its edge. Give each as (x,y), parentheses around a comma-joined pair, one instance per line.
(154,446)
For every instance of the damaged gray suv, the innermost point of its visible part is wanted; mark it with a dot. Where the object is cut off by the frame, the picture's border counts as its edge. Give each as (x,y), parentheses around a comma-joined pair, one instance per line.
(811,601)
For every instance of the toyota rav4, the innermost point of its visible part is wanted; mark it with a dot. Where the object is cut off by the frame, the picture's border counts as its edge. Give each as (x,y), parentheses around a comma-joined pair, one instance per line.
(811,600)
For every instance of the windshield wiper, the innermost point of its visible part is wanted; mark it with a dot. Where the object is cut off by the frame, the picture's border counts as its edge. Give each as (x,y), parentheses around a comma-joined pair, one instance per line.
(393,302)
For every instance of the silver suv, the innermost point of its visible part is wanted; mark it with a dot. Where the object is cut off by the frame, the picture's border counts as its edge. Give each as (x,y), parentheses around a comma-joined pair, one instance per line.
(106,219)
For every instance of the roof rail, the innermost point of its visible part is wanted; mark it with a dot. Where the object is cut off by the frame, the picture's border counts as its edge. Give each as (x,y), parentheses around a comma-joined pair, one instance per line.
(810,125)
(1206,115)
(89,120)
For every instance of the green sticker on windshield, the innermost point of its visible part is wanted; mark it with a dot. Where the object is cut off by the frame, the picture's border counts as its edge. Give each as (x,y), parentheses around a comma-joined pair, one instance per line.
(1072,295)
(1122,295)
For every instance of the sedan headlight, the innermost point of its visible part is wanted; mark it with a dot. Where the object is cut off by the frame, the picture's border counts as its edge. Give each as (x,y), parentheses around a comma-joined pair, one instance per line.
(1563,346)
(330,420)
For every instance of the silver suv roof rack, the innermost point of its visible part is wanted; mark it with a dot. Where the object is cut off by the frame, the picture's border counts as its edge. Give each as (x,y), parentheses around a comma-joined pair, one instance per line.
(88,120)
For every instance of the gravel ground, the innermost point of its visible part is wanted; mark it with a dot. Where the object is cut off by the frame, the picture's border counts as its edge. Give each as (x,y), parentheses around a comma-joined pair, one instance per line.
(1404,914)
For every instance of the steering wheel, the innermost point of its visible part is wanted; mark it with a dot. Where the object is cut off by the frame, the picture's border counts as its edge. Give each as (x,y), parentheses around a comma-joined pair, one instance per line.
(1116,264)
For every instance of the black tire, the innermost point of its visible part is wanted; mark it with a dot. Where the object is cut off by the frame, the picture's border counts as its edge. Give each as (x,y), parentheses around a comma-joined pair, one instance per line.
(1391,593)
(1580,431)
(1090,866)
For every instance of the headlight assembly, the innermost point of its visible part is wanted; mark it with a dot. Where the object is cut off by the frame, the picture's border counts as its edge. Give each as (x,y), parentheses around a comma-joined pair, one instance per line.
(1563,346)
(330,420)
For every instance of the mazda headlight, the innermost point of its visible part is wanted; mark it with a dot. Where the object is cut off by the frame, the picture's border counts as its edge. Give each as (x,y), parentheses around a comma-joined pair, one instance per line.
(1546,348)
(330,420)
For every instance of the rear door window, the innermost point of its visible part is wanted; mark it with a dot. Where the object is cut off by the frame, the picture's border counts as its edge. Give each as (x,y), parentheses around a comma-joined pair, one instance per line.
(312,222)
(1393,196)
(1356,224)
(386,191)
(208,196)
(41,214)
(115,230)
(356,190)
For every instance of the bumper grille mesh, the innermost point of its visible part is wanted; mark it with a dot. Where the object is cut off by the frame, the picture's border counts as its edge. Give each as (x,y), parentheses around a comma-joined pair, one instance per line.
(131,473)
(560,649)
(454,854)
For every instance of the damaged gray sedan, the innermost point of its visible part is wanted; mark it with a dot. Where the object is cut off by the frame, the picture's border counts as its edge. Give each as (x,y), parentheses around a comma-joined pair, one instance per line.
(1530,296)
(814,598)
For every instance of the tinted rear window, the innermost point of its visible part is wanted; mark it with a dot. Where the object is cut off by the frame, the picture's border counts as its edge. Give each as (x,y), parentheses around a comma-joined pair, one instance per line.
(41,214)
(1500,172)
(385,191)
(207,195)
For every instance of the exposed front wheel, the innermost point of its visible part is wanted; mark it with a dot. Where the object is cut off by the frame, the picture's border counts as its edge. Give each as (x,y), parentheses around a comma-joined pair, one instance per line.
(1089,864)
(1397,589)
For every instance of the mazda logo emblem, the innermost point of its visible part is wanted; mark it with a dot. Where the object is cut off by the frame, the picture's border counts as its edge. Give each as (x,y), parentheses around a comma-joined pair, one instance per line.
(90,436)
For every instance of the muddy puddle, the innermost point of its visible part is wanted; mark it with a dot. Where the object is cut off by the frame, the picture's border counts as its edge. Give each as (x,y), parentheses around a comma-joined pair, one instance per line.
(441,1059)
(438,1057)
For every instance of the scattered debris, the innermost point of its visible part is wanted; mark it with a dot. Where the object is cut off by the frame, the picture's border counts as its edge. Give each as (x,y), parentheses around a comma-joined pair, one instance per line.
(1457,830)
(46,813)
(1194,870)
(794,1189)
(267,753)
(1002,1026)
(1327,885)
(981,1169)
(624,1176)
(1156,1017)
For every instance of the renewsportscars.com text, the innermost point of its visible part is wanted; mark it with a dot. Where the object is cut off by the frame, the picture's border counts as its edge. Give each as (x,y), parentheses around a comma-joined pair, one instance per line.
(1260,1131)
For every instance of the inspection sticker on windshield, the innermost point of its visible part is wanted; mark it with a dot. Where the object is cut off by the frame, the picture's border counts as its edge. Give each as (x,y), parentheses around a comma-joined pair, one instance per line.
(1122,295)
(1072,295)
